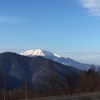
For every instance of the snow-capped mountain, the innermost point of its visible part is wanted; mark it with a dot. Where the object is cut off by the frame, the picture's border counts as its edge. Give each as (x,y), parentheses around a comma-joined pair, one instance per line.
(56,58)
(39,52)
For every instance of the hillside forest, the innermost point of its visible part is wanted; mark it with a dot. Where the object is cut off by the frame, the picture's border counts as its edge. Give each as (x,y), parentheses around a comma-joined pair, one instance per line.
(52,85)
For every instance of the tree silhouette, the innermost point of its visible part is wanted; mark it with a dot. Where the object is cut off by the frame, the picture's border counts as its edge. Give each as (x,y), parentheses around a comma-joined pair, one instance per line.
(71,81)
(50,81)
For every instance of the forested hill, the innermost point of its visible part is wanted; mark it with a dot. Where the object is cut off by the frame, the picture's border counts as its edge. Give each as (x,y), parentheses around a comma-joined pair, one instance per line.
(17,67)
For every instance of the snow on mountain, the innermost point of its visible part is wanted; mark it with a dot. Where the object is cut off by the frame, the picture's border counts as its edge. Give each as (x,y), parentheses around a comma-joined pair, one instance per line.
(39,52)
(56,58)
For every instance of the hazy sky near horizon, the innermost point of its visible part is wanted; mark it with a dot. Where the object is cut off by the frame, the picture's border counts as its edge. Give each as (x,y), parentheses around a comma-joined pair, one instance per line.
(69,28)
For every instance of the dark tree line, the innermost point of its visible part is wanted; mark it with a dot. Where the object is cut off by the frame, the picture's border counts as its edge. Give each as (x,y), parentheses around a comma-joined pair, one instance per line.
(53,85)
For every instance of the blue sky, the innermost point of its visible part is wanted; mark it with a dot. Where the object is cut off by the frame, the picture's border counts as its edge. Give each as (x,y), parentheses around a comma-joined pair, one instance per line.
(67,27)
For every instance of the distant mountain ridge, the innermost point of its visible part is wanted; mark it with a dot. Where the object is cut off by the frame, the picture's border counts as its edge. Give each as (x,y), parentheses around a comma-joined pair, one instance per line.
(57,58)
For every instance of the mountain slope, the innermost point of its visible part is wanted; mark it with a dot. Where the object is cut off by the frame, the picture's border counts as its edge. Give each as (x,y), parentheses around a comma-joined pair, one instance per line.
(57,58)
(18,66)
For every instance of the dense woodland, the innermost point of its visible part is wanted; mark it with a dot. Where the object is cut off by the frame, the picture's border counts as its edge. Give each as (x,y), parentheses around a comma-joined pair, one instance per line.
(52,85)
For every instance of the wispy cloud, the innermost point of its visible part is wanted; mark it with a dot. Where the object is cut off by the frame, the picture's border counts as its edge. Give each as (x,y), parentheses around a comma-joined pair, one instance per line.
(92,5)
(83,56)
(84,53)
(11,50)
(8,19)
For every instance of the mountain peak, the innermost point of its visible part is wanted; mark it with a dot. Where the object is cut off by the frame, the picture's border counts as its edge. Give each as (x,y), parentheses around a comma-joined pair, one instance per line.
(38,52)
(63,60)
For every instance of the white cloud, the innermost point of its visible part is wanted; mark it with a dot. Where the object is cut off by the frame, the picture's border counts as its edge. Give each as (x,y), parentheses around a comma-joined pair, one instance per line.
(92,5)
